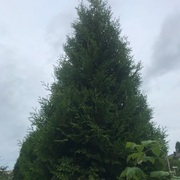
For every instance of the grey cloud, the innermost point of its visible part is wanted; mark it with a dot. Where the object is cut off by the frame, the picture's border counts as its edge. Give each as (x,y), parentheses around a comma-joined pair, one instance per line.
(166,51)
(11,105)
(3,29)
(20,86)
(59,27)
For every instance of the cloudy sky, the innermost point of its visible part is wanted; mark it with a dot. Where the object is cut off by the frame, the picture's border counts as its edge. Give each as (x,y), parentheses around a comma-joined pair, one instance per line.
(31,37)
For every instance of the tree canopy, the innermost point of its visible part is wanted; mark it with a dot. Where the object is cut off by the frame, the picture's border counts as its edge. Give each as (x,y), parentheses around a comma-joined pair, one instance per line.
(94,108)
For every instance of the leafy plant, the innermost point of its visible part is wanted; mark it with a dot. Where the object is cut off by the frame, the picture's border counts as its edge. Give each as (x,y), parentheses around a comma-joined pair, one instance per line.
(146,161)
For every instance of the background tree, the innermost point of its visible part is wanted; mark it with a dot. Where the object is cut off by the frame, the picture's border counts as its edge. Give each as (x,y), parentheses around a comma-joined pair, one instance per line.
(177,147)
(5,174)
(95,106)
(174,160)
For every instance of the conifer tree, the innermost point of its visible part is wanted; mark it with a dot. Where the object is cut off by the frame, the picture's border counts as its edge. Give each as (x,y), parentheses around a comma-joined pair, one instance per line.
(95,105)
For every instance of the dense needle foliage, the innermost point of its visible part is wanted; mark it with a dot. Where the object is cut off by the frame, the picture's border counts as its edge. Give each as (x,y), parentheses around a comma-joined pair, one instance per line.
(95,106)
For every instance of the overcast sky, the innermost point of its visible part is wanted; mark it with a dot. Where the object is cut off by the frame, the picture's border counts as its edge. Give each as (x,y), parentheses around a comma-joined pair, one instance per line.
(31,37)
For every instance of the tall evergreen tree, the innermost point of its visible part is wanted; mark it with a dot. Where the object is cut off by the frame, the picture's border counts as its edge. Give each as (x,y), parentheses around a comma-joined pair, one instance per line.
(95,106)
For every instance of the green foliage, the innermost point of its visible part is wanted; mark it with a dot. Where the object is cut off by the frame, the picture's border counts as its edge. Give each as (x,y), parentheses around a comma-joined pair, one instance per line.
(133,173)
(175,178)
(94,108)
(17,174)
(147,161)
(159,174)
(28,162)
